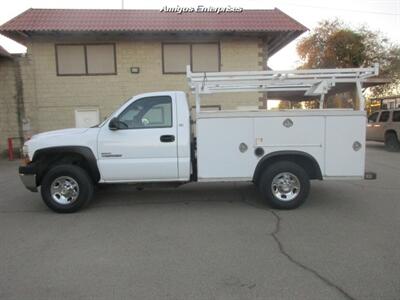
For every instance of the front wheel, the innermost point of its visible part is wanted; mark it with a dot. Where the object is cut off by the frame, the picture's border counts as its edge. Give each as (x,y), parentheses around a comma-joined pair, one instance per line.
(66,188)
(284,185)
(392,144)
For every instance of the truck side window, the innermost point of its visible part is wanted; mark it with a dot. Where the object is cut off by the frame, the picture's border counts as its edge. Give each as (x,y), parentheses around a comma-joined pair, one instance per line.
(372,118)
(384,116)
(396,116)
(150,112)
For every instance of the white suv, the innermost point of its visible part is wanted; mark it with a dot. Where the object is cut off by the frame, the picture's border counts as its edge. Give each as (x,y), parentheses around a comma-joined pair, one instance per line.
(384,126)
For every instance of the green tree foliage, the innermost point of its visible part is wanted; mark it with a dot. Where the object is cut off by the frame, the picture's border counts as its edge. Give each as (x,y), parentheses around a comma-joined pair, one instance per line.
(332,44)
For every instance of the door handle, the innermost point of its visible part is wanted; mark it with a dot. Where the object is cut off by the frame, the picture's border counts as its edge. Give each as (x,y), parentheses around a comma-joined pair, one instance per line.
(167,138)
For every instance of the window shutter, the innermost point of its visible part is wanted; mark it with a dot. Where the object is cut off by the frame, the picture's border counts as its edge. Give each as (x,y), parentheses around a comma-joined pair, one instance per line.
(100,59)
(205,57)
(71,59)
(176,57)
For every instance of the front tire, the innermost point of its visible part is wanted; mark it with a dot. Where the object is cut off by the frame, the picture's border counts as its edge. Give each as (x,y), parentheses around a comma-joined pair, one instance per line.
(66,188)
(284,185)
(392,144)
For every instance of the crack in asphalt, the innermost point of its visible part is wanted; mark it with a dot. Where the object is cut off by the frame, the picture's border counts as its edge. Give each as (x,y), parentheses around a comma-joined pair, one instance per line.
(274,235)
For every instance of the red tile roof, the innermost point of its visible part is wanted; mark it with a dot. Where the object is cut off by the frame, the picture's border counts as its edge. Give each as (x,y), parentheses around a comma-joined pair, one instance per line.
(150,20)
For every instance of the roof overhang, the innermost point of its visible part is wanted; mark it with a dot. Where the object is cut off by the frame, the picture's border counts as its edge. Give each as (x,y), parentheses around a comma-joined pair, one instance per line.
(275,27)
(4,53)
(275,40)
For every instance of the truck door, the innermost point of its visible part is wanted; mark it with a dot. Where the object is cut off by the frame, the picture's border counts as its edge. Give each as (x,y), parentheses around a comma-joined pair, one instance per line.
(371,126)
(144,148)
(382,125)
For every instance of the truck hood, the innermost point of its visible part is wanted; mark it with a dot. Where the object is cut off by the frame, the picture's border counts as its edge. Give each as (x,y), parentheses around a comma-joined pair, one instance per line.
(69,131)
(85,137)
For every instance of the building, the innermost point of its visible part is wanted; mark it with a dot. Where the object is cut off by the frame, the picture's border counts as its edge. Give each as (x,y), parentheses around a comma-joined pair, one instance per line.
(9,98)
(81,64)
(389,102)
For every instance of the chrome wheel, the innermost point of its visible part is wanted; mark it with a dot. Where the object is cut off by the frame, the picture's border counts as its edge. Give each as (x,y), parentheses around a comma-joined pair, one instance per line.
(285,186)
(64,190)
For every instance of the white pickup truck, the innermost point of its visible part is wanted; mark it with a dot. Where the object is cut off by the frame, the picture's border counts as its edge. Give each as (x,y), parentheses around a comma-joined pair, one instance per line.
(149,139)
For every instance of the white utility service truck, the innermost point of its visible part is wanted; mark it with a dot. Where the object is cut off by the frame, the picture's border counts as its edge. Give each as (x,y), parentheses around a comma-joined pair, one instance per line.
(150,139)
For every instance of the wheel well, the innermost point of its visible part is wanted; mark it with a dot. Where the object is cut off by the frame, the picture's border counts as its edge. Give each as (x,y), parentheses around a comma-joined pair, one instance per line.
(45,160)
(390,131)
(304,160)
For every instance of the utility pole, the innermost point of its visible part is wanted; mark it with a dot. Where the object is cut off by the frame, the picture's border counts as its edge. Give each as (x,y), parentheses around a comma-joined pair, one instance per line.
(122,4)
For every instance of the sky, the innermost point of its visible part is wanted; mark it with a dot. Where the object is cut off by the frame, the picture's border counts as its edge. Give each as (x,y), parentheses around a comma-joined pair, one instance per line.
(378,15)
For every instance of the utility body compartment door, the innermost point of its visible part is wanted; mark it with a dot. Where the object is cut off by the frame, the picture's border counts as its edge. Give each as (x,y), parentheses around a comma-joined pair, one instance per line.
(146,150)
(225,149)
(291,133)
(345,146)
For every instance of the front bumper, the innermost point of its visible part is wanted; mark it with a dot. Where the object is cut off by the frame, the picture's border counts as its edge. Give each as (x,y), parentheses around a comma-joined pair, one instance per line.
(27,175)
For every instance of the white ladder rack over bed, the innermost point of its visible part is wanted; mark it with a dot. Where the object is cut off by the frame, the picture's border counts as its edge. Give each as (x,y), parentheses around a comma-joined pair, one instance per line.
(314,82)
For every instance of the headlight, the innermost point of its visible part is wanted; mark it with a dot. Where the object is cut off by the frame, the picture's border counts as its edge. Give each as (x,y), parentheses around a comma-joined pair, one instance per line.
(25,150)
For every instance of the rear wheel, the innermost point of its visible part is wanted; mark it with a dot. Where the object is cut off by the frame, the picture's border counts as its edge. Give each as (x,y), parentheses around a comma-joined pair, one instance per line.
(66,188)
(284,185)
(392,144)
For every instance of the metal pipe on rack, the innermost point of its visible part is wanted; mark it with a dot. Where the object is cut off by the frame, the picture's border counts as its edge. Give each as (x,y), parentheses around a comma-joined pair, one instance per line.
(314,82)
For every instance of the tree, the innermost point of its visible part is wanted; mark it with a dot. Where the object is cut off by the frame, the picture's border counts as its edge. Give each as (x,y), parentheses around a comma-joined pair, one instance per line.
(332,44)
(284,104)
(309,104)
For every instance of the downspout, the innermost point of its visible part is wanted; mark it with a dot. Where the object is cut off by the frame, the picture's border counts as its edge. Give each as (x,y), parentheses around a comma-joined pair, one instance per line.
(19,98)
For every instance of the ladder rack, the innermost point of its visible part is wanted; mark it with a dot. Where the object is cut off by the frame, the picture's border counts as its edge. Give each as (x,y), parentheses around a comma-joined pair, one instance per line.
(314,82)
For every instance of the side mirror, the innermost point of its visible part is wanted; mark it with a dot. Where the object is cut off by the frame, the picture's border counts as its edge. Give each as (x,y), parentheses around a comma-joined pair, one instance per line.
(114,124)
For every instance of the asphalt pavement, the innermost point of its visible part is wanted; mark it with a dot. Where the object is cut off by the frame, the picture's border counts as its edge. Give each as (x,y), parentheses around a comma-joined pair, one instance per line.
(206,241)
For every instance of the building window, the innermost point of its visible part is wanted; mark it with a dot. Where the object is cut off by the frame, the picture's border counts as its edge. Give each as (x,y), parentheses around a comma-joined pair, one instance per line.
(87,59)
(205,57)
(70,60)
(202,57)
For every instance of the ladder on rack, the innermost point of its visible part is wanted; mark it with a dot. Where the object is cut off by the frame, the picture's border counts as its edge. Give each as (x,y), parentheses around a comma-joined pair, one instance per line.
(314,82)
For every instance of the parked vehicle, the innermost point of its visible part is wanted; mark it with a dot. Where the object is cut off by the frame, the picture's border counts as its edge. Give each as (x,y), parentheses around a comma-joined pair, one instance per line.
(384,126)
(149,139)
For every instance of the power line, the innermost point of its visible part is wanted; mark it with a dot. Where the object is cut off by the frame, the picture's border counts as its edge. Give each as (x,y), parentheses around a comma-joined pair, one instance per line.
(343,9)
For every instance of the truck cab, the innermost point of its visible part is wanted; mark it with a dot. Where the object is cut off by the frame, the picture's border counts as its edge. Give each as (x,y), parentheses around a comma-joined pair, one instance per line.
(147,139)
(149,133)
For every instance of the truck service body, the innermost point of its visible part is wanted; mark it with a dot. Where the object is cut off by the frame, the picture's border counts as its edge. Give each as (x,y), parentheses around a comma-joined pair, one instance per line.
(150,139)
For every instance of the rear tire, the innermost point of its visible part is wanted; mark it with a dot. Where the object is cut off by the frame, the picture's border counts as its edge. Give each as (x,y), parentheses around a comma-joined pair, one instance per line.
(392,144)
(284,185)
(66,188)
